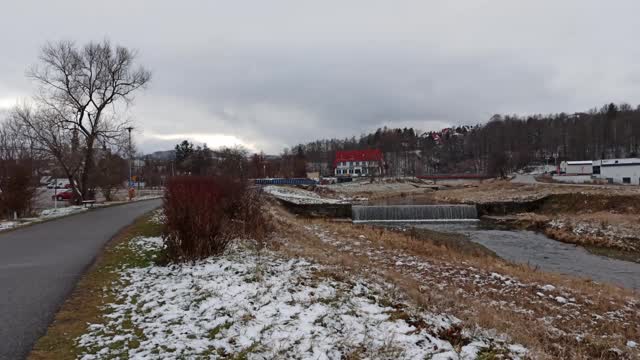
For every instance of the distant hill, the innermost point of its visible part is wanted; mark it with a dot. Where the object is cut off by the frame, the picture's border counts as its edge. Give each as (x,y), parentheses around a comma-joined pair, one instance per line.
(162,155)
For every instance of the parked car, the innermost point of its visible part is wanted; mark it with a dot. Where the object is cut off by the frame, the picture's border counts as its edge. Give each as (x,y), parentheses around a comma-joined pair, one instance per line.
(63,196)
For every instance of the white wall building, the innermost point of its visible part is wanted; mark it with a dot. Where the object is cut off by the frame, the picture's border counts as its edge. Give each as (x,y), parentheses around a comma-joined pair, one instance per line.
(577,167)
(618,171)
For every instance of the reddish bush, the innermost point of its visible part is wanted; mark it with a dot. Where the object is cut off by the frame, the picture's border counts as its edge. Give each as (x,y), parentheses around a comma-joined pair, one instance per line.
(200,211)
(205,213)
(253,218)
(17,188)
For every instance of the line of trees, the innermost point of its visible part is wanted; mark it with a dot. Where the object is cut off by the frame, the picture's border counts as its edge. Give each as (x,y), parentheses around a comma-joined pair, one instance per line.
(505,143)
(237,162)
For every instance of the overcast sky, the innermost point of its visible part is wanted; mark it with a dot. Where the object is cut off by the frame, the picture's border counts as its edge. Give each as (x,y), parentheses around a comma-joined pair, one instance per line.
(270,74)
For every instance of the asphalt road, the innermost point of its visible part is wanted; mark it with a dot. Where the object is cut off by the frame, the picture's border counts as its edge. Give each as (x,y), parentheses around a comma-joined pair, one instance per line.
(40,265)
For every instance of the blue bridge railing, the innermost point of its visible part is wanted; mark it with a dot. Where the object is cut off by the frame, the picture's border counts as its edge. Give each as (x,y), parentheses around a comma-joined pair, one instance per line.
(282,181)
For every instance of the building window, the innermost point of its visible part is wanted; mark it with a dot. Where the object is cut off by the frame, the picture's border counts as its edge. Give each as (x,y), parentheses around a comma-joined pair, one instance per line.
(596,170)
(626,180)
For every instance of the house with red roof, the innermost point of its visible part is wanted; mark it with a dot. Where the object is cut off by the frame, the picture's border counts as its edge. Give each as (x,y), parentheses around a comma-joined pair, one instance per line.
(354,163)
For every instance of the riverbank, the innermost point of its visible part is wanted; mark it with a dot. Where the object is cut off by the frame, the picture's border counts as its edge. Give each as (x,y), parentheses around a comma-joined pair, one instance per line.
(250,302)
(602,218)
(612,235)
(554,316)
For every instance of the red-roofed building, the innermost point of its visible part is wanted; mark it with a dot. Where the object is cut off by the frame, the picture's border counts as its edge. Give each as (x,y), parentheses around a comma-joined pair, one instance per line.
(358,163)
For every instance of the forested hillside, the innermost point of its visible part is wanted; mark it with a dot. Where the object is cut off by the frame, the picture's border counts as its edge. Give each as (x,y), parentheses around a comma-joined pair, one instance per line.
(504,143)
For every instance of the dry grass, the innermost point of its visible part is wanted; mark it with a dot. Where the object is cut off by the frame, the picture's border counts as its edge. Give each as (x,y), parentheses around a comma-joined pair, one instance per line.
(503,296)
(498,191)
(84,304)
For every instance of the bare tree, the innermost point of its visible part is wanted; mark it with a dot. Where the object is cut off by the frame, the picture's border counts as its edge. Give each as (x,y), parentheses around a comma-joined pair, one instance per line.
(17,182)
(78,104)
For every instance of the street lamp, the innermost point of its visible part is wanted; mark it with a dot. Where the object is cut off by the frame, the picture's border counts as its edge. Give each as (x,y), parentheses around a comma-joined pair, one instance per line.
(130,155)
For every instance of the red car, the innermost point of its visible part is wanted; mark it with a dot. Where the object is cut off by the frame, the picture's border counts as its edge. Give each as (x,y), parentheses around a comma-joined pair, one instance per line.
(66,195)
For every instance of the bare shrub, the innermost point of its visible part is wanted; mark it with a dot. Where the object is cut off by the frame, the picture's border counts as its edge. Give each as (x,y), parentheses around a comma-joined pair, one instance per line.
(205,213)
(17,188)
(253,216)
(199,211)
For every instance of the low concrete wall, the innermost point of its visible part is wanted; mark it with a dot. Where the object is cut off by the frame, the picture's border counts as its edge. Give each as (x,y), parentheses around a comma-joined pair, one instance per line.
(572,179)
(318,210)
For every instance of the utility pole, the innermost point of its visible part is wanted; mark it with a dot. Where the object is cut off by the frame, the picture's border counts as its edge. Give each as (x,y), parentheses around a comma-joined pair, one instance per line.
(130,154)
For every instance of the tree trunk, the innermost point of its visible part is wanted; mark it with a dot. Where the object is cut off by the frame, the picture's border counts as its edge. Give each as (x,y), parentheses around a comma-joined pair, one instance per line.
(87,167)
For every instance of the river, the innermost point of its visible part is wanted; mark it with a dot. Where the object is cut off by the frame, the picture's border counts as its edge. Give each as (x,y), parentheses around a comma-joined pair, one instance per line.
(536,249)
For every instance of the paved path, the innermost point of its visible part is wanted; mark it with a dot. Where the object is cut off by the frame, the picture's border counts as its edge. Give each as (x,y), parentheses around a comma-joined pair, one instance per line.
(40,265)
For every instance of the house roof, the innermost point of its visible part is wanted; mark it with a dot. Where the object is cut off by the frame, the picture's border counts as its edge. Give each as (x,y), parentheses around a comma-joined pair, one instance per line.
(618,162)
(581,162)
(358,155)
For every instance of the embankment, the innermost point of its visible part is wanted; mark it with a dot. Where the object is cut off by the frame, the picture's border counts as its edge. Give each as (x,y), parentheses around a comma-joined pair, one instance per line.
(606,224)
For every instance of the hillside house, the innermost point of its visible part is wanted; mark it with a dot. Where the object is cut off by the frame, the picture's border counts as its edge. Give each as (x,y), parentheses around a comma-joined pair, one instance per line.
(355,163)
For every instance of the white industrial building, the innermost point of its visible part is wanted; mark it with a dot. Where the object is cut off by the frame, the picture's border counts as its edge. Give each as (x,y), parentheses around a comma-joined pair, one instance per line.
(618,171)
(577,167)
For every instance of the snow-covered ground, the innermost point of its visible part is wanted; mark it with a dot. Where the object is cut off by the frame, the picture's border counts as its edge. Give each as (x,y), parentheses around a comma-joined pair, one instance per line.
(5,225)
(61,211)
(382,186)
(158,217)
(265,307)
(621,234)
(298,196)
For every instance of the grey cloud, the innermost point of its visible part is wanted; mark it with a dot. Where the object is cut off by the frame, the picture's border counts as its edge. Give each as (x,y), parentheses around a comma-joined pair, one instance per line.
(273,74)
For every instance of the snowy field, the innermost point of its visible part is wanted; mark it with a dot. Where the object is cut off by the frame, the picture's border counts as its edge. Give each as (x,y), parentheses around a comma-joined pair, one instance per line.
(265,307)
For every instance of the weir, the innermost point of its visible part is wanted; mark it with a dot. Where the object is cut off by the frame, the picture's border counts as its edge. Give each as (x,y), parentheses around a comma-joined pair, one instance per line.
(414,213)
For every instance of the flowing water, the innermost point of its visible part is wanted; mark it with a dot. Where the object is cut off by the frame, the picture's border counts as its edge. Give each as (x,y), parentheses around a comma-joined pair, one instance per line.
(536,249)
(420,213)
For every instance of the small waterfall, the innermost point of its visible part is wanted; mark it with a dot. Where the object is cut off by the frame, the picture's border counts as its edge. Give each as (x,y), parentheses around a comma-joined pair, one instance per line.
(410,213)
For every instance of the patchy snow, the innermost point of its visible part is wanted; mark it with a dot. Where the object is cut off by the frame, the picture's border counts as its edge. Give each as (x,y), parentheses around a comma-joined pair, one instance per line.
(577,316)
(158,217)
(548,287)
(52,213)
(265,306)
(44,215)
(61,211)
(620,235)
(298,196)
(5,225)
(631,344)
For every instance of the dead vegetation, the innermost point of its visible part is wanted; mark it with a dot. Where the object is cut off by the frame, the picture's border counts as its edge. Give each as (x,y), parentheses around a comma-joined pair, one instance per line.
(554,316)
(505,191)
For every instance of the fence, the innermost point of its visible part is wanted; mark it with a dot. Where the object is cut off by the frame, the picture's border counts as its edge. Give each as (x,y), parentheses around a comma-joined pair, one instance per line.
(291,181)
